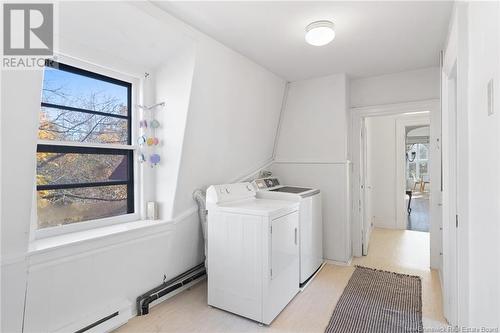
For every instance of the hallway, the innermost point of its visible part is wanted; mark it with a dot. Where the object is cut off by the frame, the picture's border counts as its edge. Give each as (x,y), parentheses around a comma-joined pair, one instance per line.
(418,219)
(394,250)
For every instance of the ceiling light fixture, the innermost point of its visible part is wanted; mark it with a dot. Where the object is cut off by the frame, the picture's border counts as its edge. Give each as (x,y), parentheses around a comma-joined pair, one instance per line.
(320,33)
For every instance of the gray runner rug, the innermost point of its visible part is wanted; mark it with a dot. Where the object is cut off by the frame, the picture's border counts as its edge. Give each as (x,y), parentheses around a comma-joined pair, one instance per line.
(378,301)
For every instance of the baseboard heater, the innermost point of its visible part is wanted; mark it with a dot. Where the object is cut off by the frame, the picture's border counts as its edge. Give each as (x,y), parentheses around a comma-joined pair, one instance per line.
(167,287)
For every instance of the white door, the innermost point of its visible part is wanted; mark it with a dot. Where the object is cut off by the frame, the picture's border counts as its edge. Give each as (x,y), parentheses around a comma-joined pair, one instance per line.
(366,211)
(450,195)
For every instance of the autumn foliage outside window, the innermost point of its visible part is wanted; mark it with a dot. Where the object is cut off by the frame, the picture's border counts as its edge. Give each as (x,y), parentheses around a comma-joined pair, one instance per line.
(84,160)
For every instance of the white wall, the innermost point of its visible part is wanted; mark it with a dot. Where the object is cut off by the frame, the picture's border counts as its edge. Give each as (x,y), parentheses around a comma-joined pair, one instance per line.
(233,116)
(484,152)
(474,41)
(410,86)
(19,133)
(333,181)
(221,117)
(172,85)
(73,286)
(312,149)
(314,124)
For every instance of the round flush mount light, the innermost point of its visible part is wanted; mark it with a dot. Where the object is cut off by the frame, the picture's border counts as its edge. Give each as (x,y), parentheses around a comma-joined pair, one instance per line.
(320,33)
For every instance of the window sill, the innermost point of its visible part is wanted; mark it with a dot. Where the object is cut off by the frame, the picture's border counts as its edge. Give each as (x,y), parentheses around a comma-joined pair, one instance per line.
(82,241)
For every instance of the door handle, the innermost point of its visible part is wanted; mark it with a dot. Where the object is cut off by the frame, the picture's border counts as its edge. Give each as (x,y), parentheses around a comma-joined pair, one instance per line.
(295,236)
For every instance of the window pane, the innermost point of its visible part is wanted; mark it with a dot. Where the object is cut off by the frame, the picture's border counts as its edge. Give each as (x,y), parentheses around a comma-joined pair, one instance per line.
(61,168)
(64,125)
(422,168)
(412,170)
(67,206)
(69,89)
(423,151)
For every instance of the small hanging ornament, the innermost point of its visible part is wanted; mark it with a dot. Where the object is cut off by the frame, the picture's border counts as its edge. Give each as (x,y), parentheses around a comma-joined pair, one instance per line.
(154,123)
(153,141)
(154,159)
(141,140)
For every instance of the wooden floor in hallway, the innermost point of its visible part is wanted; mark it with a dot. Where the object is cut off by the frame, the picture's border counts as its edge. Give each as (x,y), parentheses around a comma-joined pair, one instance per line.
(419,219)
(394,250)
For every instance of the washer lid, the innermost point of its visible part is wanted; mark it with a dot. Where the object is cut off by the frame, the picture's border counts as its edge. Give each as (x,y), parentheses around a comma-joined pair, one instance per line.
(291,189)
(262,207)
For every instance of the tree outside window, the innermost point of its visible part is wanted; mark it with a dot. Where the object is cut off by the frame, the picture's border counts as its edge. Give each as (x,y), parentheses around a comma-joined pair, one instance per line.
(80,176)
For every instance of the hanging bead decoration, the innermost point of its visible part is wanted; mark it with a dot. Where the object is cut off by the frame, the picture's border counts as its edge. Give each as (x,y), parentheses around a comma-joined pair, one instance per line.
(148,140)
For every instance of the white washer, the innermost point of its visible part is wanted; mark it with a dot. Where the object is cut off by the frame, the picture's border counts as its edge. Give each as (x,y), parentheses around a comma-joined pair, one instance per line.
(253,252)
(310,221)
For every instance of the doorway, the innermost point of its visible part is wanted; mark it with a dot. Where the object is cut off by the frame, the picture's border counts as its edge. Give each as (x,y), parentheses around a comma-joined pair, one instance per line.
(368,183)
(417,178)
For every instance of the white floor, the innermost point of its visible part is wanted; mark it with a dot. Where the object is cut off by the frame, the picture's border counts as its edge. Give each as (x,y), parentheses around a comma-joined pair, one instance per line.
(395,250)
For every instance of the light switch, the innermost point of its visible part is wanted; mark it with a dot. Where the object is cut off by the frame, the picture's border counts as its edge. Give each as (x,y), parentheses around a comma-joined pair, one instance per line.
(491,98)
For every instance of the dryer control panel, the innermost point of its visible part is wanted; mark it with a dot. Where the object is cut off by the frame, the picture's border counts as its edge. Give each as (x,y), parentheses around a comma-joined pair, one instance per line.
(229,192)
(265,183)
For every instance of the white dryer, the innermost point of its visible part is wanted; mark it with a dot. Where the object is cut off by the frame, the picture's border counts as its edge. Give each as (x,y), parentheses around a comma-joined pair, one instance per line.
(253,252)
(310,221)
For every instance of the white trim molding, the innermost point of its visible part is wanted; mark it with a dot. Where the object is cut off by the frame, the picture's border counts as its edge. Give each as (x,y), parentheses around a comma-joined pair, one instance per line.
(82,243)
(401,124)
(395,108)
(357,114)
(310,162)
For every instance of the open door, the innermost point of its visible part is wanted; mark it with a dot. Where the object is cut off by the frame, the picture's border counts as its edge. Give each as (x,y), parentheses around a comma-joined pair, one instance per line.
(366,212)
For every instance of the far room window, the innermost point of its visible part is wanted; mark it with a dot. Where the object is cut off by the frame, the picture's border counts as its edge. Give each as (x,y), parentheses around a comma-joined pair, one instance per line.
(84,155)
(418,169)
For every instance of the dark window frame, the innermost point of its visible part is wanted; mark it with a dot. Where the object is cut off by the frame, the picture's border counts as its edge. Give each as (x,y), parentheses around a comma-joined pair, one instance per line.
(77,149)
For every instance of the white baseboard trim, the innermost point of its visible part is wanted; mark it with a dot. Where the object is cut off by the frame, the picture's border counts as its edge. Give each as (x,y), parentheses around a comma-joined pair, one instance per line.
(123,309)
(314,276)
(339,263)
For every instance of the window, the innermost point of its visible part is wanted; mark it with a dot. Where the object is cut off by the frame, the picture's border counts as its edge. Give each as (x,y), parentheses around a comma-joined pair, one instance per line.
(84,156)
(418,168)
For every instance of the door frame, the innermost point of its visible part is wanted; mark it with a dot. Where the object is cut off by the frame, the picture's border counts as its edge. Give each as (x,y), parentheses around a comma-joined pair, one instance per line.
(365,187)
(401,124)
(455,125)
(450,204)
(356,116)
